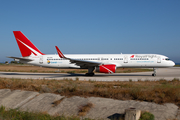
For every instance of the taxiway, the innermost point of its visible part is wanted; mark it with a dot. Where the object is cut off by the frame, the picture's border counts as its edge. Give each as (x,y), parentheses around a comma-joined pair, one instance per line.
(162,73)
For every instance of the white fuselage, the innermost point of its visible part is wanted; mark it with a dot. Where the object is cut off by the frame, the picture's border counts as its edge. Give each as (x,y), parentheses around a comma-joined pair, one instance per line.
(120,60)
(103,63)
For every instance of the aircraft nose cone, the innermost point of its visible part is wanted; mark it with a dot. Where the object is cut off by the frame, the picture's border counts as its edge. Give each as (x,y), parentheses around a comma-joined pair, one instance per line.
(173,63)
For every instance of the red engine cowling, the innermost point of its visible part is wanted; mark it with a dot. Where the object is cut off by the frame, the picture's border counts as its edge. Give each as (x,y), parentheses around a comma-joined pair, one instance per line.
(110,68)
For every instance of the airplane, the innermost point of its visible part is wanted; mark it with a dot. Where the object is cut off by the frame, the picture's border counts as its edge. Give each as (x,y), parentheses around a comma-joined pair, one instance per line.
(103,63)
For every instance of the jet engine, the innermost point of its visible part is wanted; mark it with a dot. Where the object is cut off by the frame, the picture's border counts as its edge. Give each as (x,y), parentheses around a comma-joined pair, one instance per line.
(109,68)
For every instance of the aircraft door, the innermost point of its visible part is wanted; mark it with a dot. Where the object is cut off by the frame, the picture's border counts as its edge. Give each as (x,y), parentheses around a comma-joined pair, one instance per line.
(41,59)
(125,59)
(159,60)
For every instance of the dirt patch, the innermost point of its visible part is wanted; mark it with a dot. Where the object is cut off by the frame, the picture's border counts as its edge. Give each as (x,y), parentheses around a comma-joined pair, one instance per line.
(57,102)
(83,110)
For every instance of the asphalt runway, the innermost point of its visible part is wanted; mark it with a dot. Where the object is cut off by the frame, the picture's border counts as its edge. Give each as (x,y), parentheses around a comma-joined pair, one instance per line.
(162,73)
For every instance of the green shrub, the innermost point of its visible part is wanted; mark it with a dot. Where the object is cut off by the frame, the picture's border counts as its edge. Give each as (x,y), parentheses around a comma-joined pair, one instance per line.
(14,114)
(146,116)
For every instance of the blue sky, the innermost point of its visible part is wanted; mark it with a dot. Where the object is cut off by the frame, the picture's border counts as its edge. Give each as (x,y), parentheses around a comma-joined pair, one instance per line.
(92,26)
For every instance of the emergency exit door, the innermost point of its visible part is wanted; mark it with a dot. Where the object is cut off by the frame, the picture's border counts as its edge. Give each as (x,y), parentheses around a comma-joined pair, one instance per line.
(125,59)
(41,59)
(159,60)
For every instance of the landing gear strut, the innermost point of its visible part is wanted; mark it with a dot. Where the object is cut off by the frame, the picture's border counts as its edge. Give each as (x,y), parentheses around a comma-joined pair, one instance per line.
(90,71)
(154,74)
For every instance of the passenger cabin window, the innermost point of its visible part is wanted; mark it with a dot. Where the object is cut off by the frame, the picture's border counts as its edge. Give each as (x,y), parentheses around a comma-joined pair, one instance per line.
(139,59)
(118,58)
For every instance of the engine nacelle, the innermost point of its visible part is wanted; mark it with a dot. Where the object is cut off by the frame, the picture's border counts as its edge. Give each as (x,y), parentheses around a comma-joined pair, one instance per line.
(109,68)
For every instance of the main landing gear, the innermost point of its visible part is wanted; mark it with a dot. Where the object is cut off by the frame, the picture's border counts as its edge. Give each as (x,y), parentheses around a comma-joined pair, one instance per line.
(90,72)
(154,74)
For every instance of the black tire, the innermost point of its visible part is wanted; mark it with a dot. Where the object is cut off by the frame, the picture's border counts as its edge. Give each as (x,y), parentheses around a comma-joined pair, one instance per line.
(153,74)
(89,74)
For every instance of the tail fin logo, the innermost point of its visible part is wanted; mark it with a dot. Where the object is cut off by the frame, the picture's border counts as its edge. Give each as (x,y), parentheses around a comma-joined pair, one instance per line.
(132,56)
(32,50)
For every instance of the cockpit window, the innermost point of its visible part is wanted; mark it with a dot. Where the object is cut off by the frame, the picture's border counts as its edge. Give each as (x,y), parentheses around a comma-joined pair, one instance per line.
(167,59)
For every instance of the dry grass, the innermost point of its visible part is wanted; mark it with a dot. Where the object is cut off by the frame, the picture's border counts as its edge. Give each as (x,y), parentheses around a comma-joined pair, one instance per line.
(37,69)
(83,110)
(172,119)
(161,91)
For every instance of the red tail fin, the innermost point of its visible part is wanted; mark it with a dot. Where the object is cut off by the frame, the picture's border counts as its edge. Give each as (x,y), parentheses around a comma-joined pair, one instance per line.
(25,45)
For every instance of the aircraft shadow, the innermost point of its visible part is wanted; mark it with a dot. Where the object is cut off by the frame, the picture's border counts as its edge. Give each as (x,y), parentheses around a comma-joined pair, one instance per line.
(108,75)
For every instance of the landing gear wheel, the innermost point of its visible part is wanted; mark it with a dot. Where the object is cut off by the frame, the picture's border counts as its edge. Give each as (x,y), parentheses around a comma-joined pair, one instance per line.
(89,74)
(153,74)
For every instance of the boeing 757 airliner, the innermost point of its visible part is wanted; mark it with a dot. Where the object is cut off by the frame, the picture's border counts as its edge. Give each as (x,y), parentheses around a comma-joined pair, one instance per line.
(103,63)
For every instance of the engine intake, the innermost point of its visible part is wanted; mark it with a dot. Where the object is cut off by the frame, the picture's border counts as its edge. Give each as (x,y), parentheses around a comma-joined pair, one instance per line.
(109,68)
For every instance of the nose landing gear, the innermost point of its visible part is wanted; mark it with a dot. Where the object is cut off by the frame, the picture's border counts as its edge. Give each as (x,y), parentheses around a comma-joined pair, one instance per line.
(154,74)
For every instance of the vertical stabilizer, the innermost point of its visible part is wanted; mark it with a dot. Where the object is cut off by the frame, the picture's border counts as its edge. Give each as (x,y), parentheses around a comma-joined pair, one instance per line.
(26,47)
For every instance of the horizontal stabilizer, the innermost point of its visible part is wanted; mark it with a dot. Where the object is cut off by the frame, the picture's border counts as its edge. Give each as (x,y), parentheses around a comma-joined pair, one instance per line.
(20,58)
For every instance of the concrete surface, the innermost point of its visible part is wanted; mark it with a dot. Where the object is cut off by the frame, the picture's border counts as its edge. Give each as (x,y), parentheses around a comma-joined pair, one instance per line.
(162,73)
(69,106)
(103,108)
(16,98)
(41,103)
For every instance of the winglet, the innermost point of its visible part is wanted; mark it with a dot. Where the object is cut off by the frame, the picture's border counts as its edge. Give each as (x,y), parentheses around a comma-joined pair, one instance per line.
(59,53)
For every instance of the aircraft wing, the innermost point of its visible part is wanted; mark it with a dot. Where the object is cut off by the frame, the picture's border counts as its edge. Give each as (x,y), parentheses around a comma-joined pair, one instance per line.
(20,58)
(84,63)
(81,63)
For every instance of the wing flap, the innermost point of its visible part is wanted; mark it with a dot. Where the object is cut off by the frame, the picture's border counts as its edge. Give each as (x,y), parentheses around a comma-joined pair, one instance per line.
(84,62)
